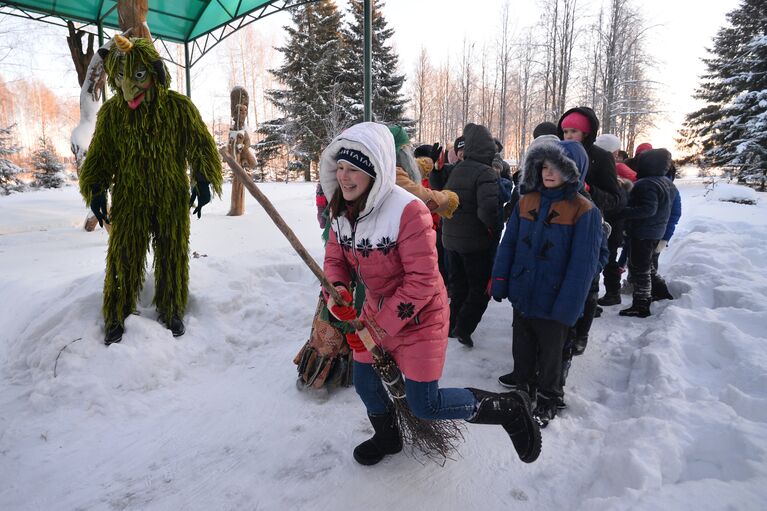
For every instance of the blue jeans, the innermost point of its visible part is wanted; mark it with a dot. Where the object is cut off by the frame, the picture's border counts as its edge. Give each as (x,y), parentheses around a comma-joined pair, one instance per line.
(426,399)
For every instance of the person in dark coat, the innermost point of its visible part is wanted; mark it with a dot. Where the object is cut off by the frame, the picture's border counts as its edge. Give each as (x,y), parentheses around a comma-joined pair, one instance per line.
(647,216)
(581,124)
(544,266)
(470,235)
(659,287)
(612,272)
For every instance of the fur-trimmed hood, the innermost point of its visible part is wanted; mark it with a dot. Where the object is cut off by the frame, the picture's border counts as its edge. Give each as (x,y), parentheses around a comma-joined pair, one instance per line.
(377,143)
(556,155)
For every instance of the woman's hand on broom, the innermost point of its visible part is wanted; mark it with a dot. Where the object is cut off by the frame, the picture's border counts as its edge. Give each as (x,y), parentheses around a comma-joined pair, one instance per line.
(343,312)
(355,343)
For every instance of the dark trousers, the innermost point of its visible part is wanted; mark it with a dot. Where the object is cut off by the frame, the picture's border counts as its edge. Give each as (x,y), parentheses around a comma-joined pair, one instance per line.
(583,325)
(441,262)
(659,288)
(469,275)
(537,343)
(642,269)
(611,271)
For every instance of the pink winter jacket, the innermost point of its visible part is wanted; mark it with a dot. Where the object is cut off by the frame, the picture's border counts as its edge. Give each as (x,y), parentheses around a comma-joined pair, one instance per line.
(392,248)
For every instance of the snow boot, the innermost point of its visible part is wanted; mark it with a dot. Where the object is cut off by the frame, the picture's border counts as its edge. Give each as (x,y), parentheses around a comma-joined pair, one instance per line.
(547,409)
(466,340)
(579,346)
(610,298)
(176,326)
(114,334)
(528,388)
(386,440)
(512,410)
(660,291)
(639,309)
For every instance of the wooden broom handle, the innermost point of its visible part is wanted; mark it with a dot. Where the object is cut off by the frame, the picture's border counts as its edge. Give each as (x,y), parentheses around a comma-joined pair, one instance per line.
(281,225)
(262,199)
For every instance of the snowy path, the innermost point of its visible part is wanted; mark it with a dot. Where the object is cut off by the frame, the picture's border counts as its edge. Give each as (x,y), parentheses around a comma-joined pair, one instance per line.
(664,413)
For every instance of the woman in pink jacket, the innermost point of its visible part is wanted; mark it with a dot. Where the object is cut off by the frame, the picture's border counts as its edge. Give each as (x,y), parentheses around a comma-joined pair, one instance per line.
(384,235)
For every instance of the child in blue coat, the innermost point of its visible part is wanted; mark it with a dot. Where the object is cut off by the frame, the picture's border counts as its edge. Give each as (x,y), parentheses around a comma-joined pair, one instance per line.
(544,266)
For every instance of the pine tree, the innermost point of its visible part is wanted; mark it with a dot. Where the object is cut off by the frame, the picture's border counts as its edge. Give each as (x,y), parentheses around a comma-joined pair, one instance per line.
(388,102)
(48,169)
(731,130)
(9,172)
(310,73)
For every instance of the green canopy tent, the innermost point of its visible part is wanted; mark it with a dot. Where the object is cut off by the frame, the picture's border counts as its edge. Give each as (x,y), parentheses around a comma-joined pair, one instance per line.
(197,24)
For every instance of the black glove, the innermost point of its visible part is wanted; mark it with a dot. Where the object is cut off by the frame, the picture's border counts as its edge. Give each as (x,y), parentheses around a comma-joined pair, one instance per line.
(99,207)
(436,151)
(201,192)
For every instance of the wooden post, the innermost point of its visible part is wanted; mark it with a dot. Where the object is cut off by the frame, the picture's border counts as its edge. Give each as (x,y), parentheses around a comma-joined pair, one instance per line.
(132,14)
(239,146)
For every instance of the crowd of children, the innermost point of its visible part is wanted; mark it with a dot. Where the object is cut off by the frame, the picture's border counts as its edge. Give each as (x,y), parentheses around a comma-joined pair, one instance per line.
(429,242)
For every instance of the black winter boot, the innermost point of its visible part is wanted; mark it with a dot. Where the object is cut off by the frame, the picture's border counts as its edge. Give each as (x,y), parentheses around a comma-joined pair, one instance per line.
(639,309)
(466,340)
(114,334)
(386,440)
(579,346)
(512,411)
(547,408)
(610,298)
(176,326)
(660,290)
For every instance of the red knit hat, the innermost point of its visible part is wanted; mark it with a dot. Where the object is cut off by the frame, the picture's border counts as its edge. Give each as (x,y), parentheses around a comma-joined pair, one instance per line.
(642,148)
(577,121)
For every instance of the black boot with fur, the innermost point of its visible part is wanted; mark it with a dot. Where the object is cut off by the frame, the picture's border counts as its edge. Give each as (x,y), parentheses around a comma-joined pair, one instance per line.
(639,309)
(512,411)
(386,440)
(610,298)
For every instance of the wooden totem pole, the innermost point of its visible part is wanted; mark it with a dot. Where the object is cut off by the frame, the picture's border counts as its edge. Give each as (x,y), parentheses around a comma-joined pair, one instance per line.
(239,147)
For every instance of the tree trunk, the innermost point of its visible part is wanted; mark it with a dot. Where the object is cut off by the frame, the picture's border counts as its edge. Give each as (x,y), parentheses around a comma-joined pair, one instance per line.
(80,58)
(132,14)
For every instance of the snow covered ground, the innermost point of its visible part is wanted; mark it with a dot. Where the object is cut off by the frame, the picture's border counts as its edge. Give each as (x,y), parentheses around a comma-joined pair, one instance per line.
(664,413)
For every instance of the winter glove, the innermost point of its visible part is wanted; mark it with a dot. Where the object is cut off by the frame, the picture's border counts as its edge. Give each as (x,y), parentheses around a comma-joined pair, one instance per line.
(342,312)
(436,152)
(200,192)
(662,244)
(498,288)
(355,342)
(99,207)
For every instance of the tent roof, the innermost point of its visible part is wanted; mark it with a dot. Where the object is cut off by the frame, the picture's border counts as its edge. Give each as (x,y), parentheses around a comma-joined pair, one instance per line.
(179,21)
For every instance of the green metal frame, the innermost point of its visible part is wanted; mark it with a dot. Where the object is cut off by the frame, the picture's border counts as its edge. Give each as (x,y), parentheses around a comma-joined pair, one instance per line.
(197,40)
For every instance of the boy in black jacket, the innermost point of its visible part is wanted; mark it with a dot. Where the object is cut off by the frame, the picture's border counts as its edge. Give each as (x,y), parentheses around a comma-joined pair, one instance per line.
(647,214)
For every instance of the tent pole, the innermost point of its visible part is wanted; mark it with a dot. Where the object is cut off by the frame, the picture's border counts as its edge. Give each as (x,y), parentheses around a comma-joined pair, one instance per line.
(100,29)
(188,71)
(368,61)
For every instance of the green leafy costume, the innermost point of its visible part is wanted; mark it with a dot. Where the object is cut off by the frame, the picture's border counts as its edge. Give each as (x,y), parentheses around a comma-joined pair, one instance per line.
(146,136)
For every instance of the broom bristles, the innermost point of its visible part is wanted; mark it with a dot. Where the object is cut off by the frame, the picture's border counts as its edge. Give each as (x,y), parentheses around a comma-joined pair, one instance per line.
(436,439)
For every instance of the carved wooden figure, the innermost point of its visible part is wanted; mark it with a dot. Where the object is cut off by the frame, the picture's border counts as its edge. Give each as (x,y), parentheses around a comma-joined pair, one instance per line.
(239,147)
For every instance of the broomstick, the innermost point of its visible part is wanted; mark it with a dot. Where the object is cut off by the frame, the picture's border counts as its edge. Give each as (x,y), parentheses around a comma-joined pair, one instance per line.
(434,438)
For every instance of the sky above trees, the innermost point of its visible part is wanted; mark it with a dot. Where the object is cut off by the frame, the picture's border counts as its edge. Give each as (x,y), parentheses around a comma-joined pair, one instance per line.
(682,31)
